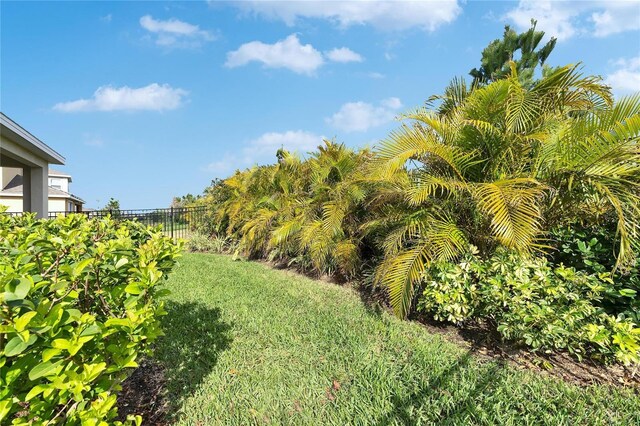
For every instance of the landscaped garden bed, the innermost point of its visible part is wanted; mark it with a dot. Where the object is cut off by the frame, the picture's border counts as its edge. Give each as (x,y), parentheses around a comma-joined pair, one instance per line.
(489,245)
(512,202)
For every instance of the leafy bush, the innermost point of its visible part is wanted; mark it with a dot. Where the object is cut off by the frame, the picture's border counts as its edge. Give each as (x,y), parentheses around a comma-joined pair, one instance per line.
(592,249)
(533,302)
(451,291)
(79,306)
(202,243)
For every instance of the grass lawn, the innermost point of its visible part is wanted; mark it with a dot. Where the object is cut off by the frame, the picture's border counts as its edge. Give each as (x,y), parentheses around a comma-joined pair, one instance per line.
(247,345)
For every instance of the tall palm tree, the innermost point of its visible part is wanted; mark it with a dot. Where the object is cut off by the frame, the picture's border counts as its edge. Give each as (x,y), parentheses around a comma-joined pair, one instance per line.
(499,164)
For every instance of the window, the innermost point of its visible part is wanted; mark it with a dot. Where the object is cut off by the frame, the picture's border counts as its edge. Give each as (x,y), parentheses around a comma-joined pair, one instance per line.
(55,183)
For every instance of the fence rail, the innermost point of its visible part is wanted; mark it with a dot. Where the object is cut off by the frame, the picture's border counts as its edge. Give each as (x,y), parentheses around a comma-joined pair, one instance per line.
(177,222)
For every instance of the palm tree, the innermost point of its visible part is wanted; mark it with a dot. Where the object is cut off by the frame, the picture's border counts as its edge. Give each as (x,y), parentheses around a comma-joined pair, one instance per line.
(298,210)
(323,224)
(499,164)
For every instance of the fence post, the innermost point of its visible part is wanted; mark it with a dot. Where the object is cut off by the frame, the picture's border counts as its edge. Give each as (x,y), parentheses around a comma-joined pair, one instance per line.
(171,218)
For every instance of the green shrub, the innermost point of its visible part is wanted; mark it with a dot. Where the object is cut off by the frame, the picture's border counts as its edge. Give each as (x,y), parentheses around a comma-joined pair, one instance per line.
(451,291)
(199,242)
(79,306)
(533,302)
(592,249)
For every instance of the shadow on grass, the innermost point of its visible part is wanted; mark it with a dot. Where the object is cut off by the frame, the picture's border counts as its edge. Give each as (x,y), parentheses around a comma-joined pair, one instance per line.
(195,335)
(404,408)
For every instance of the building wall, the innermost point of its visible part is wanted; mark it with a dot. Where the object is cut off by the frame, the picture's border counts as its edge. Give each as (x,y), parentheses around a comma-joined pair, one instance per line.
(55,204)
(59,183)
(14,203)
(8,173)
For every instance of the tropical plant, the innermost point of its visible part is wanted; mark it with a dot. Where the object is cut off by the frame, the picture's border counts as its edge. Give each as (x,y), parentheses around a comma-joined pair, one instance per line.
(505,163)
(184,201)
(508,163)
(306,212)
(112,204)
(198,242)
(589,248)
(533,302)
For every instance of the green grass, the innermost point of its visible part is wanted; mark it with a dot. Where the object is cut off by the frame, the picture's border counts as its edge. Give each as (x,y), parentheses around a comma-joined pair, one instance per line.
(250,345)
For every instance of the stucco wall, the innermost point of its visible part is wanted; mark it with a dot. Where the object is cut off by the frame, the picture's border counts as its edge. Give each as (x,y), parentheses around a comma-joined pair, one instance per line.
(62,183)
(14,203)
(8,173)
(57,205)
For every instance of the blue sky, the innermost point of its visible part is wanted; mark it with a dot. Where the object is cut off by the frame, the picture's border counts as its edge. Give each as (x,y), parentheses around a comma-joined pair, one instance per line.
(148,100)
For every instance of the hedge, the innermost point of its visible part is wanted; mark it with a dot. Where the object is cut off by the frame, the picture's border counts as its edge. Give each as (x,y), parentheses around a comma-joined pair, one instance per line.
(79,305)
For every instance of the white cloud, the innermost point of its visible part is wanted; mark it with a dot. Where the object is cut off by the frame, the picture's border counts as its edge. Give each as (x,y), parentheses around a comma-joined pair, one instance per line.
(361,116)
(391,103)
(287,53)
(154,97)
(564,19)
(555,18)
(376,75)
(616,17)
(263,150)
(222,167)
(175,33)
(626,78)
(106,18)
(386,15)
(343,54)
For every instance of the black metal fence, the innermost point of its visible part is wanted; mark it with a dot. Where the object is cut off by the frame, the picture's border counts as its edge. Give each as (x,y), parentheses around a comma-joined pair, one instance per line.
(177,222)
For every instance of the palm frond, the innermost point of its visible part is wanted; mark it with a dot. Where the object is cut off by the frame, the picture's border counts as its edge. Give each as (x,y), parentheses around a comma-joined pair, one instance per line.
(514,208)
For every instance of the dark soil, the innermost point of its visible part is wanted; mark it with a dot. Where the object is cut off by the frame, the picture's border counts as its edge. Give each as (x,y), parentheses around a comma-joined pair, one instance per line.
(486,343)
(144,393)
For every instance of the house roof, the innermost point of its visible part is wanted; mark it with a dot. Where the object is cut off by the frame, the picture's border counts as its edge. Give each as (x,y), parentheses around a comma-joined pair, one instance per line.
(22,137)
(58,173)
(14,189)
(54,172)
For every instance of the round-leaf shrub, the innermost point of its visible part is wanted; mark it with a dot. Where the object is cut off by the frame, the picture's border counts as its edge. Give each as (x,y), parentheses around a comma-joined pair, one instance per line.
(531,301)
(79,305)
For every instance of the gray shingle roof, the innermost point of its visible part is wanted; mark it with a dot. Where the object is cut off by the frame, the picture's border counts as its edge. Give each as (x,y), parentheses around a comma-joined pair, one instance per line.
(54,172)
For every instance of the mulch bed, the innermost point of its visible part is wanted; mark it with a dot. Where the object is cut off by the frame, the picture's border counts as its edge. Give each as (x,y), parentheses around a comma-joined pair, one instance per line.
(144,393)
(485,342)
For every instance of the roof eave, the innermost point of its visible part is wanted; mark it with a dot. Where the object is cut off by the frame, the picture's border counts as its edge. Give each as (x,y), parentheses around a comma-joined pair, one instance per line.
(23,137)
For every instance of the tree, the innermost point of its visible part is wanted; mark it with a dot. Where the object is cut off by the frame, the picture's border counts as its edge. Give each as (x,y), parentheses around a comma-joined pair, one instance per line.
(502,166)
(184,201)
(306,212)
(500,52)
(113,204)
